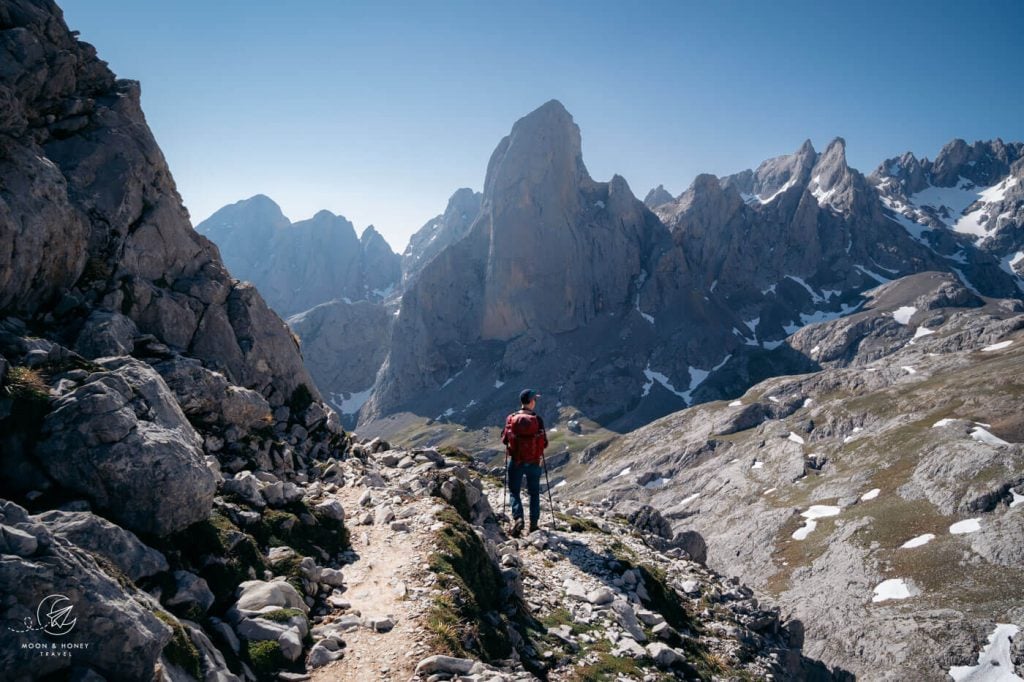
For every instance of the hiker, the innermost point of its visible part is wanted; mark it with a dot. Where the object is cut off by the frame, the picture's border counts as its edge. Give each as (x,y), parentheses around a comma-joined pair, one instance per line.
(525,440)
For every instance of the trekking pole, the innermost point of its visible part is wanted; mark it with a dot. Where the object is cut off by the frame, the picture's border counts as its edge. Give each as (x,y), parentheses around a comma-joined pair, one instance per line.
(504,483)
(547,481)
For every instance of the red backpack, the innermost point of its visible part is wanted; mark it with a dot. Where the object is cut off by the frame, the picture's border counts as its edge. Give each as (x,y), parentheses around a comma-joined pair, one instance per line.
(524,437)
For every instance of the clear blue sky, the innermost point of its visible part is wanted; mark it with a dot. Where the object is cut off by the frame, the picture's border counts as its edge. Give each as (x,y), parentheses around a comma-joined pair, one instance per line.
(380,110)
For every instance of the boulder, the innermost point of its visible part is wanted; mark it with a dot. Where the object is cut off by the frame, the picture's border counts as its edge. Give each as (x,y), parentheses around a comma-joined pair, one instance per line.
(212,664)
(692,543)
(626,617)
(191,592)
(121,547)
(256,595)
(664,655)
(320,655)
(105,334)
(444,665)
(246,487)
(209,397)
(330,509)
(121,440)
(125,636)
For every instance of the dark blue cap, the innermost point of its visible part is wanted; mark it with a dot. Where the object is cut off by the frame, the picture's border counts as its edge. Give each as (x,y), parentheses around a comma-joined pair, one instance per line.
(527,395)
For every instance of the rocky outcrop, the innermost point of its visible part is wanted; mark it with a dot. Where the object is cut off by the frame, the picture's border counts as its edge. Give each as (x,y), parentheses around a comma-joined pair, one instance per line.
(884,478)
(121,440)
(114,625)
(99,536)
(300,265)
(345,344)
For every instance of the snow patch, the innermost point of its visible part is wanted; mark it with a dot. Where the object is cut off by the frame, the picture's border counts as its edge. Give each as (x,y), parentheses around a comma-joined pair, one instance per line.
(803,531)
(757,465)
(919,541)
(789,183)
(689,499)
(821,511)
(904,313)
(624,472)
(943,422)
(653,376)
(923,331)
(736,403)
(982,436)
(1018,499)
(659,482)
(908,369)
(795,438)
(966,526)
(870,495)
(894,588)
(873,275)
(498,383)
(351,404)
(996,346)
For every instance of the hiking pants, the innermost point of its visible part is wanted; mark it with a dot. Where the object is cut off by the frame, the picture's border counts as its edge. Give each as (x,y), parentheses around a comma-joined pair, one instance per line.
(533,473)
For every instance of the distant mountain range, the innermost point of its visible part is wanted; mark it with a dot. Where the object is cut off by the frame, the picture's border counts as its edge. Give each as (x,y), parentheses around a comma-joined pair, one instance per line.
(300,265)
(623,310)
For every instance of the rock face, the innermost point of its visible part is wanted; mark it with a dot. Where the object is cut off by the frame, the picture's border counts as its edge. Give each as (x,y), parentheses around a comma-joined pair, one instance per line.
(852,480)
(301,265)
(345,345)
(121,440)
(92,213)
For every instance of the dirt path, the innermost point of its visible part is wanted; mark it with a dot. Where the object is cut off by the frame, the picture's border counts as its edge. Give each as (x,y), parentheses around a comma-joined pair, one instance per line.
(387,581)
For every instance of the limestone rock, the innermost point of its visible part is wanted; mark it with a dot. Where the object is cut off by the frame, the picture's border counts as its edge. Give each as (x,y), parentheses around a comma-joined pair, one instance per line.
(102,610)
(121,440)
(122,547)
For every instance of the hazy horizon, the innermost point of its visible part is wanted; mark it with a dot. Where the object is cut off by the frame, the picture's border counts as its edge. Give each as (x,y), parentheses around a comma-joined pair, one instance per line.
(379,113)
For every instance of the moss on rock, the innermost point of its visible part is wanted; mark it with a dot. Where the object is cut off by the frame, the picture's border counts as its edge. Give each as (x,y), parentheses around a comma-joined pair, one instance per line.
(180,651)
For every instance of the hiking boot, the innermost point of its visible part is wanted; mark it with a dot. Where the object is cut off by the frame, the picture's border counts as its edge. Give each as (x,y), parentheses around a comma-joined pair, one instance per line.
(517,528)
(533,527)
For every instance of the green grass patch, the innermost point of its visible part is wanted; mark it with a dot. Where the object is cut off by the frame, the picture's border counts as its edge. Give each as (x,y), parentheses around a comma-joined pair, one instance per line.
(464,626)
(180,651)
(607,668)
(578,524)
(265,659)
(283,615)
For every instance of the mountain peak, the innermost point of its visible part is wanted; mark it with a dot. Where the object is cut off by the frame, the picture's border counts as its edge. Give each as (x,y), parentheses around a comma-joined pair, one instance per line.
(544,146)
(658,197)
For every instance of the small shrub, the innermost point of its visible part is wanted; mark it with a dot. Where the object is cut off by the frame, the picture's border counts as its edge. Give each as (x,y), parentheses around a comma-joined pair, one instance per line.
(25,384)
